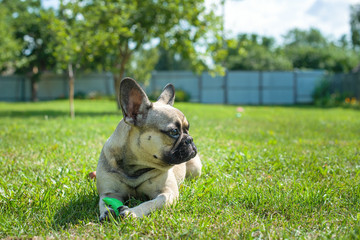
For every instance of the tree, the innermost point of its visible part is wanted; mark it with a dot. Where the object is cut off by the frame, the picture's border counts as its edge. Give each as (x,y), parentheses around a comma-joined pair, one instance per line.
(31,35)
(247,52)
(312,37)
(142,63)
(355,24)
(9,46)
(69,43)
(120,28)
(309,49)
(169,60)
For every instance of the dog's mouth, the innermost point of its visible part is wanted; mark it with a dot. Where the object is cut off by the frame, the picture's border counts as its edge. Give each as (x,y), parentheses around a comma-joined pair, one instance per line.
(181,154)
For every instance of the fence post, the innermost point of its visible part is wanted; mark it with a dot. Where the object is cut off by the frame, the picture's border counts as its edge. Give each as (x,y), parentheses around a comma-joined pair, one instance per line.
(226,100)
(200,85)
(23,92)
(65,85)
(357,84)
(153,82)
(260,87)
(107,80)
(295,87)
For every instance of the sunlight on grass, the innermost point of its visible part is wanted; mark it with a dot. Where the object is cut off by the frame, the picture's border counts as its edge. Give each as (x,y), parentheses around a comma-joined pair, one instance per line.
(273,172)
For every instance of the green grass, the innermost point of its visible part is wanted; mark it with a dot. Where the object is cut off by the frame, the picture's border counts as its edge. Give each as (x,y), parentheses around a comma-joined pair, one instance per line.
(275,172)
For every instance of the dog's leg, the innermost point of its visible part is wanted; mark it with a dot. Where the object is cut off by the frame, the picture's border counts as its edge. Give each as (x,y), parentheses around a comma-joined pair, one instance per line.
(163,199)
(106,211)
(193,167)
(163,193)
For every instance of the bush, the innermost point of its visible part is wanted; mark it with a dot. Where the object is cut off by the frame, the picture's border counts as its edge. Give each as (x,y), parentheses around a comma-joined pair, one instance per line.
(90,95)
(94,95)
(322,90)
(80,95)
(324,97)
(180,96)
(351,103)
(154,95)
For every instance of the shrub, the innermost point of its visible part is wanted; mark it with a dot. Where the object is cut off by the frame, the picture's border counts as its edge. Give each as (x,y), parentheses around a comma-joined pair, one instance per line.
(80,95)
(180,96)
(154,95)
(323,96)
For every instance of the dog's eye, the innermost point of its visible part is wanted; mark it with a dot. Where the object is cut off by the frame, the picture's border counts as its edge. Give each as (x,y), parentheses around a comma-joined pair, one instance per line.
(174,132)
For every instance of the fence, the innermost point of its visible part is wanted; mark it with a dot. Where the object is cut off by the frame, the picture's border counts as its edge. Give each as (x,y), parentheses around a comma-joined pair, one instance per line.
(54,86)
(348,84)
(236,87)
(243,87)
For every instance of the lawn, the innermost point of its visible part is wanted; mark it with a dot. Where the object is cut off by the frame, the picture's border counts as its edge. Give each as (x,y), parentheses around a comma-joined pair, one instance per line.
(273,172)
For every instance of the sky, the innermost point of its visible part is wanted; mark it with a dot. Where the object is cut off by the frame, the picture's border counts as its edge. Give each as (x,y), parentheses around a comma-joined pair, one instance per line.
(273,18)
(276,17)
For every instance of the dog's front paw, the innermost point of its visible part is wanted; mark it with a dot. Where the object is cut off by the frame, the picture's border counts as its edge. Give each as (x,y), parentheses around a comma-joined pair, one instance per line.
(110,213)
(107,215)
(127,212)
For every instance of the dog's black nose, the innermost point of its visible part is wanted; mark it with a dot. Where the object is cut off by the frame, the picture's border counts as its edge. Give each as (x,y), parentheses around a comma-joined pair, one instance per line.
(189,140)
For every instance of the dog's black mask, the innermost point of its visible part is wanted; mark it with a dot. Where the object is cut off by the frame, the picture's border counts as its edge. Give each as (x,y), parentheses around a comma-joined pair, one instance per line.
(183,151)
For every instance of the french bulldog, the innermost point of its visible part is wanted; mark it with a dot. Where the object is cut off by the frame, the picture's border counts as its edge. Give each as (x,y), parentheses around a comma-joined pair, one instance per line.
(149,154)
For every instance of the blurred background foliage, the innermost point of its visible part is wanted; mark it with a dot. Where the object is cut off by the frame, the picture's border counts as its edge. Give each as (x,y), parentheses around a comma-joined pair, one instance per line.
(106,35)
(138,37)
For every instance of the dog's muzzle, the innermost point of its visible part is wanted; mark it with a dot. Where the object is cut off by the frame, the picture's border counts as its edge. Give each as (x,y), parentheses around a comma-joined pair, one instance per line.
(185,151)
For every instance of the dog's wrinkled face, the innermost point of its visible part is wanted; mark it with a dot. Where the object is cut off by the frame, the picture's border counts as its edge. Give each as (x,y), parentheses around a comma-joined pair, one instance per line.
(169,135)
(162,131)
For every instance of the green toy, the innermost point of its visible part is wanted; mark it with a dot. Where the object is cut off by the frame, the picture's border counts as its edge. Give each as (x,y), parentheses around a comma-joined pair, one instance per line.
(114,204)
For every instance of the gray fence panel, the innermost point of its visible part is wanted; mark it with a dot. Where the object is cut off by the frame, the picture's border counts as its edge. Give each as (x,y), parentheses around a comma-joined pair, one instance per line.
(182,80)
(212,89)
(101,83)
(52,87)
(212,82)
(278,80)
(212,96)
(277,96)
(243,80)
(11,87)
(278,88)
(250,97)
(306,83)
(27,90)
(243,87)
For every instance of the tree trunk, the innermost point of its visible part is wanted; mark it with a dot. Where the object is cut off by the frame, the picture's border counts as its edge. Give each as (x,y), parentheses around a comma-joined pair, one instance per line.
(117,81)
(34,90)
(34,79)
(118,77)
(71,91)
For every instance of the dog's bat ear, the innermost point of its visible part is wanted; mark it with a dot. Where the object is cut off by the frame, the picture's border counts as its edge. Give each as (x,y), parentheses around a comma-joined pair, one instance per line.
(168,95)
(134,102)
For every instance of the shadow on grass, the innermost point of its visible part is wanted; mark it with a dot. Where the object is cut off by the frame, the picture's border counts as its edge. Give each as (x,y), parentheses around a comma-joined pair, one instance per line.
(82,210)
(53,113)
(65,113)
